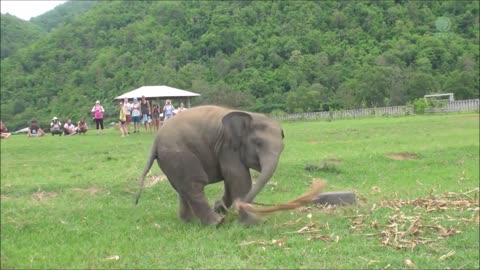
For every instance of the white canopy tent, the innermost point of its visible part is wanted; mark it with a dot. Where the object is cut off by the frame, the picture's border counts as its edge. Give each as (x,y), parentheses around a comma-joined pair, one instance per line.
(158,92)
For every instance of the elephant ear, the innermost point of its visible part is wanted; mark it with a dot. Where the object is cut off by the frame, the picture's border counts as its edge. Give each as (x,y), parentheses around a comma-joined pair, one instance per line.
(236,126)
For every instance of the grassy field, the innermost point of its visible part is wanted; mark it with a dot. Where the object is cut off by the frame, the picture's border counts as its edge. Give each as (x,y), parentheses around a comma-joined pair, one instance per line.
(67,202)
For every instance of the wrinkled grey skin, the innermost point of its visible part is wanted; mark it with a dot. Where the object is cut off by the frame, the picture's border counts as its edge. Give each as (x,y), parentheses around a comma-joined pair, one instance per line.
(208,144)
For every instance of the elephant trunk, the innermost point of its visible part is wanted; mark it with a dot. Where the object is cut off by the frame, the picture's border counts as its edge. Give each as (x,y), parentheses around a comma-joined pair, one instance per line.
(269,164)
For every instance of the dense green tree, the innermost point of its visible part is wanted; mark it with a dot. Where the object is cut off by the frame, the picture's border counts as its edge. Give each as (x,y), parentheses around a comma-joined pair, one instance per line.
(62,14)
(264,56)
(16,34)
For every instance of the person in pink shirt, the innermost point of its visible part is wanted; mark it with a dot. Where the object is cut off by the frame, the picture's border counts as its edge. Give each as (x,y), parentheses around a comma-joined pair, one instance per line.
(98,111)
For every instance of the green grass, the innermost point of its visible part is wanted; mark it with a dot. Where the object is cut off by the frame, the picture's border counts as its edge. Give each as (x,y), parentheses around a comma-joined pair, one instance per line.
(91,181)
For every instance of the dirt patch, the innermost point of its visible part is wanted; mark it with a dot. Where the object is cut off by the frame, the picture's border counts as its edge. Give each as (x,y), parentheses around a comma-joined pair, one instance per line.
(313,141)
(327,165)
(153,180)
(401,156)
(333,161)
(4,198)
(43,195)
(324,167)
(92,189)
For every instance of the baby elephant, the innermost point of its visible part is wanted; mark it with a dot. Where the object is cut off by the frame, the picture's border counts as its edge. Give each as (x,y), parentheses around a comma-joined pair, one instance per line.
(208,144)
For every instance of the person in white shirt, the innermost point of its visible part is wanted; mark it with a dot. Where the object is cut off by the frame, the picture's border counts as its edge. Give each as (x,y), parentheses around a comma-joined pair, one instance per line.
(136,113)
(128,113)
(56,126)
(69,128)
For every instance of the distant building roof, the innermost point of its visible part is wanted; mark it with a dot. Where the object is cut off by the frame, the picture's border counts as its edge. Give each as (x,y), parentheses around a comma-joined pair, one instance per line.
(159,91)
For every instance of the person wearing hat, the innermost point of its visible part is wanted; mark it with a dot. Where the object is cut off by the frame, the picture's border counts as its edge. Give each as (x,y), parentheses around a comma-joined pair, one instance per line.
(98,111)
(56,126)
(136,113)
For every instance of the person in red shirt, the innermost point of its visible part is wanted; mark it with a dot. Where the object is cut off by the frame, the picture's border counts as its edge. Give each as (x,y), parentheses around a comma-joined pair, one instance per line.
(4,131)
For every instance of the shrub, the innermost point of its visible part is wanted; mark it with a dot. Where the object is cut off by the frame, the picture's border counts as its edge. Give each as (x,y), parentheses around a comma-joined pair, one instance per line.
(419,105)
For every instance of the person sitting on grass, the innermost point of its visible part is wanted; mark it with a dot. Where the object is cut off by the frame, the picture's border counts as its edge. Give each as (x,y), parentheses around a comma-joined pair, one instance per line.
(82,126)
(69,128)
(4,131)
(34,130)
(56,127)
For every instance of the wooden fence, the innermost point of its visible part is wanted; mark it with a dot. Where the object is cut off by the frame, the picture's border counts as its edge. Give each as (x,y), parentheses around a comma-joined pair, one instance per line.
(457,106)
(453,106)
(348,114)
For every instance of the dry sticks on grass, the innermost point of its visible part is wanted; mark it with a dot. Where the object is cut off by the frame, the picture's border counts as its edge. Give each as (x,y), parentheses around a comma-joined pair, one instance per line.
(407,232)
(409,224)
(458,201)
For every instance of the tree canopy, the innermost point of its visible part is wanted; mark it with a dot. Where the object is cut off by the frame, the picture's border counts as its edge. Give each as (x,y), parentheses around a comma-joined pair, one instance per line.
(264,56)
(16,33)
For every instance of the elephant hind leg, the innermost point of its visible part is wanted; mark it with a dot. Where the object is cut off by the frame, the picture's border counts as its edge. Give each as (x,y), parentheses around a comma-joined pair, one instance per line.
(185,211)
(202,209)
(186,174)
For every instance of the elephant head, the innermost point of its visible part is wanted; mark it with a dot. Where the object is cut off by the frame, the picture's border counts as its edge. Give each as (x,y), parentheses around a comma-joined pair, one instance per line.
(258,140)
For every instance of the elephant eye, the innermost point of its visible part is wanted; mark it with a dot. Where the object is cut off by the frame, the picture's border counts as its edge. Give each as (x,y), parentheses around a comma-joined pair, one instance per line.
(257,142)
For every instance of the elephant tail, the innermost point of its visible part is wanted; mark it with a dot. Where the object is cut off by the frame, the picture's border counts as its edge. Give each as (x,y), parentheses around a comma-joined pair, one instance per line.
(151,159)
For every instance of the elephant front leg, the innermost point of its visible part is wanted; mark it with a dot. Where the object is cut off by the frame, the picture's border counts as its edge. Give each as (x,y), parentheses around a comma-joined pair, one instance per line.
(221,206)
(238,183)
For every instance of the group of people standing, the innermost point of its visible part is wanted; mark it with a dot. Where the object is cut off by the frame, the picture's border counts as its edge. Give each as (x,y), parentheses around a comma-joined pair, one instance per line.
(142,112)
(138,112)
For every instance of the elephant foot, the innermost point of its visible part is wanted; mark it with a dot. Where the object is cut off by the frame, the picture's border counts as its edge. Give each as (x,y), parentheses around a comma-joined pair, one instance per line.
(188,219)
(213,219)
(247,218)
(220,223)
(220,207)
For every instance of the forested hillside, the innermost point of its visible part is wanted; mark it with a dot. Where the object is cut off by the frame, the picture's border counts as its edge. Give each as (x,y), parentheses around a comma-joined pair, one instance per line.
(16,33)
(258,55)
(62,14)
